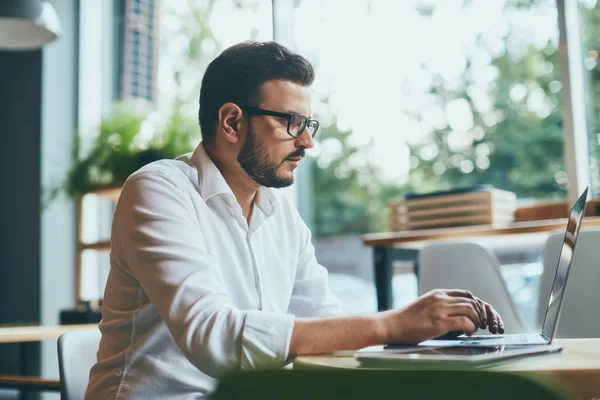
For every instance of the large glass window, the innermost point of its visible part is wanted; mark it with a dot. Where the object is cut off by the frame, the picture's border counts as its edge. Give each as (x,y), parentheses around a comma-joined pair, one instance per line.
(193,33)
(426,95)
(412,96)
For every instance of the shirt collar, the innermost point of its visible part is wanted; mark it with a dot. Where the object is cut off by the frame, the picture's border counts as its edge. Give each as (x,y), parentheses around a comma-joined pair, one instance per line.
(213,183)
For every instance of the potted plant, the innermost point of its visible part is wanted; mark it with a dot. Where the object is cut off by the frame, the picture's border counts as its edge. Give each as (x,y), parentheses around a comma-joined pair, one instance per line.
(127,139)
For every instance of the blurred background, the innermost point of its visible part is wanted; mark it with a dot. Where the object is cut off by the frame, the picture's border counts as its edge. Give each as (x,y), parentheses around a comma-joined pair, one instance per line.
(413,96)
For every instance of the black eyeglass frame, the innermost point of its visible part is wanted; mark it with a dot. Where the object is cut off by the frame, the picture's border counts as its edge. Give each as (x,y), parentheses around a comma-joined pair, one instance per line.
(306,122)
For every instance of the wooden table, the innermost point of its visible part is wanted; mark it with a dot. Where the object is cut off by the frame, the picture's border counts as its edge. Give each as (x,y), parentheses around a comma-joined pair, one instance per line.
(577,367)
(391,246)
(27,334)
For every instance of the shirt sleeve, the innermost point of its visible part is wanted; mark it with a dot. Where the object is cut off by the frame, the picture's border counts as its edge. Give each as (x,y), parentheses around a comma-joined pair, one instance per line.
(156,235)
(311,296)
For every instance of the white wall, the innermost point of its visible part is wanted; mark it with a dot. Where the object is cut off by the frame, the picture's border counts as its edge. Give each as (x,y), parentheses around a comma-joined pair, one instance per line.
(59,117)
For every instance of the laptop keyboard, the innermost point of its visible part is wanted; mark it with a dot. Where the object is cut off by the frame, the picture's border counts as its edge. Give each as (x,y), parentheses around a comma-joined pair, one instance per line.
(496,339)
(485,337)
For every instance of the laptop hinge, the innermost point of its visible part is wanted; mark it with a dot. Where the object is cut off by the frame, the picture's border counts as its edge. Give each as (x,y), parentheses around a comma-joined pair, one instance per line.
(546,338)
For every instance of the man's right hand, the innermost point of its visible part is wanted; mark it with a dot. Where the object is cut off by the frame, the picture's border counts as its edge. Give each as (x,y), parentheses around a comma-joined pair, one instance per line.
(438,312)
(431,315)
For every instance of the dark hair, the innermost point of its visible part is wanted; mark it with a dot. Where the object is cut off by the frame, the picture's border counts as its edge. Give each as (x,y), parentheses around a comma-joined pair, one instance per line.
(237,76)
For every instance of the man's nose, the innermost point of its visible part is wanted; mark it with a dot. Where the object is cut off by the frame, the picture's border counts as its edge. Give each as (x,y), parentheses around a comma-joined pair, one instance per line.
(305,140)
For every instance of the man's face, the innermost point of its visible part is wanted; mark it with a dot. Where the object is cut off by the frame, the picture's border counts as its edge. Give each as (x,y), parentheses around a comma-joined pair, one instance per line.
(269,154)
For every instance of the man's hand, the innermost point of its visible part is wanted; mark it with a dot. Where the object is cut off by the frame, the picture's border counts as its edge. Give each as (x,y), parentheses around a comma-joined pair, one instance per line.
(433,314)
(438,312)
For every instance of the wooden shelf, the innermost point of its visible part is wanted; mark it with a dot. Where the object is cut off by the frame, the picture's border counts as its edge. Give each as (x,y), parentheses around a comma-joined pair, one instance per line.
(29,382)
(98,246)
(109,193)
(523,227)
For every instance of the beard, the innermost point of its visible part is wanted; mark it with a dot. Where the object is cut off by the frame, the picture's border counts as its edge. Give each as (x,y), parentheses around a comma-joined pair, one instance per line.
(254,159)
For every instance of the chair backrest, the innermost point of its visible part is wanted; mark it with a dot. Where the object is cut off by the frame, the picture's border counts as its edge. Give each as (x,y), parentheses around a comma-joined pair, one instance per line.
(76,356)
(580,316)
(469,266)
(384,384)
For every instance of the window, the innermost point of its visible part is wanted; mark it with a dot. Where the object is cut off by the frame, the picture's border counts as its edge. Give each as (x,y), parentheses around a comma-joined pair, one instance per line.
(139,49)
(427,95)
(414,95)
(193,33)
(95,95)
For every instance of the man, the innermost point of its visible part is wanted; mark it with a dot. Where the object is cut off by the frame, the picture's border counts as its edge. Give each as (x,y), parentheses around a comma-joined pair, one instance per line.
(213,271)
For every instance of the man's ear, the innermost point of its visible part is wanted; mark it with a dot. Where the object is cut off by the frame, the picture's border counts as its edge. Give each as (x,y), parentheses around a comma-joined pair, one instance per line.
(230,118)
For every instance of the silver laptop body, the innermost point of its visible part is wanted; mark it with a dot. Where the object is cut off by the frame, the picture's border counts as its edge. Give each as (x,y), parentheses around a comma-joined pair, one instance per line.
(554,304)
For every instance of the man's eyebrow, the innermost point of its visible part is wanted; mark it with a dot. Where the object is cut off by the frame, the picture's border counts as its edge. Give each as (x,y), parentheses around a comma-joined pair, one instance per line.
(296,112)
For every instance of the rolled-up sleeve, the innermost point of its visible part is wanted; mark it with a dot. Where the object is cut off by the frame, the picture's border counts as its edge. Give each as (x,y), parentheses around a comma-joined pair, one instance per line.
(156,235)
(311,296)
(266,339)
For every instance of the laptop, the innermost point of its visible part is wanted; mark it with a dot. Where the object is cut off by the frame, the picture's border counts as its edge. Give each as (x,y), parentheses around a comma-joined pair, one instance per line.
(456,357)
(486,350)
(554,304)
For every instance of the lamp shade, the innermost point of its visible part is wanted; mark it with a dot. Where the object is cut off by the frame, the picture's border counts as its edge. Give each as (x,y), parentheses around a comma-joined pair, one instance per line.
(27,24)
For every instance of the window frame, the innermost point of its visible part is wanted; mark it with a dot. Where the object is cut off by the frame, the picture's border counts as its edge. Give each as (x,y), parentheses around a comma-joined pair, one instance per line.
(577,158)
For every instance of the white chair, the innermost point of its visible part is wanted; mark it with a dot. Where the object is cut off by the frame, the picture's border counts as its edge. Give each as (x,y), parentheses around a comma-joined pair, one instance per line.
(580,315)
(469,266)
(76,356)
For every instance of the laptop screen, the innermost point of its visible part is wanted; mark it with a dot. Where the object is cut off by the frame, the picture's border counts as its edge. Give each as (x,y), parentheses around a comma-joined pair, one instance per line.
(564,263)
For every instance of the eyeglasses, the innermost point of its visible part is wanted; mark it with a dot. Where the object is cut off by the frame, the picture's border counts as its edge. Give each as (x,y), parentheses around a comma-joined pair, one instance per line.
(297,123)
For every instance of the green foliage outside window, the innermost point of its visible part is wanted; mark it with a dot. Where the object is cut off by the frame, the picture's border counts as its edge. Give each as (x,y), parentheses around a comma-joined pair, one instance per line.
(524,150)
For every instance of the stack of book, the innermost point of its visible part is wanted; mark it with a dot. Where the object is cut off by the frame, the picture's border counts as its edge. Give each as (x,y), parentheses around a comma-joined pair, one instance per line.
(481,205)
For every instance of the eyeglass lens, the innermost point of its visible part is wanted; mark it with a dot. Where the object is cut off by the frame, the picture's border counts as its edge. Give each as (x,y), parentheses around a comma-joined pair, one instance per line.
(297,125)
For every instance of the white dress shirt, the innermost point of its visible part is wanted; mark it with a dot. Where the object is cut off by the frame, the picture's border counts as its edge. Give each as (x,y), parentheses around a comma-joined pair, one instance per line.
(194,293)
